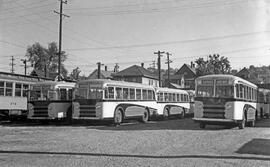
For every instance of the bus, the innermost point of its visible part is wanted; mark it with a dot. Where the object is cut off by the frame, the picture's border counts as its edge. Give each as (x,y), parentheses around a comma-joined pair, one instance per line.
(225,99)
(172,102)
(263,103)
(51,100)
(101,99)
(14,90)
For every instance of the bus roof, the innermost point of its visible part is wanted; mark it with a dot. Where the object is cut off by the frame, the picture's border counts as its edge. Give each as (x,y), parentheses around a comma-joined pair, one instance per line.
(57,84)
(235,79)
(170,90)
(108,82)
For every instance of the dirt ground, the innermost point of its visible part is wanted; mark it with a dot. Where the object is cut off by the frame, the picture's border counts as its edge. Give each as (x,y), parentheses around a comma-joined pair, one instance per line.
(176,142)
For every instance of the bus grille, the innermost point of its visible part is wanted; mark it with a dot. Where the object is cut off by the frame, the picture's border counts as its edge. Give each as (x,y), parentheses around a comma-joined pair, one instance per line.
(214,111)
(41,111)
(87,111)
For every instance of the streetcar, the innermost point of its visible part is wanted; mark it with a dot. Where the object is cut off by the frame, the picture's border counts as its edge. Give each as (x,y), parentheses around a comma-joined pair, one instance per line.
(100,99)
(172,102)
(14,90)
(51,100)
(225,99)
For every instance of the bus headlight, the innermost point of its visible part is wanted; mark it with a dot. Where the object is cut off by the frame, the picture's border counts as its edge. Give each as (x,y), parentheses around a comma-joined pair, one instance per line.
(228,110)
(51,114)
(99,110)
(76,109)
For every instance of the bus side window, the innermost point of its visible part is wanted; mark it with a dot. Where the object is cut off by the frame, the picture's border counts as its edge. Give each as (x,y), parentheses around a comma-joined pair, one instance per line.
(144,92)
(125,94)
(119,94)
(160,96)
(182,97)
(166,97)
(150,95)
(173,97)
(138,94)
(241,89)
(177,97)
(237,90)
(132,94)
(2,88)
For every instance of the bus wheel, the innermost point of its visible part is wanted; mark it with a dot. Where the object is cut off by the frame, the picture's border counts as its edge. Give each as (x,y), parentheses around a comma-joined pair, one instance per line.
(267,116)
(182,115)
(202,125)
(166,113)
(118,116)
(145,116)
(242,124)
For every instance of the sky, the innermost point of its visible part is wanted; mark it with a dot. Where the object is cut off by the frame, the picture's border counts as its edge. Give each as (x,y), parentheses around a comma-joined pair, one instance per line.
(128,32)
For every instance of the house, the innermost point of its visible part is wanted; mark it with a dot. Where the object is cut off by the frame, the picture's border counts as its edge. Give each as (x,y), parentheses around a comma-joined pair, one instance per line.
(104,74)
(137,74)
(184,77)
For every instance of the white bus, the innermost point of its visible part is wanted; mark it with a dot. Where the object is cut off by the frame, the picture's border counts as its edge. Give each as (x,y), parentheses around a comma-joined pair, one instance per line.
(51,100)
(172,102)
(225,99)
(116,100)
(263,103)
(14,93)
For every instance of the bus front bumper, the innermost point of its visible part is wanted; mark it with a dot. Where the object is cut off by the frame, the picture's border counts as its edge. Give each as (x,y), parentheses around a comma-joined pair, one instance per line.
(216,121)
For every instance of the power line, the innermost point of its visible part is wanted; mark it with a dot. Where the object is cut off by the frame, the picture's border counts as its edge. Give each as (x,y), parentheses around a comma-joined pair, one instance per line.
(171,42)
(13,44)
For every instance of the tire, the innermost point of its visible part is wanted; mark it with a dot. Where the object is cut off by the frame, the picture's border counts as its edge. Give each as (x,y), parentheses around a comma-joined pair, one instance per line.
(118,116)
(202,125)
(166,113)
(145,116)
(182,115)
(242,124)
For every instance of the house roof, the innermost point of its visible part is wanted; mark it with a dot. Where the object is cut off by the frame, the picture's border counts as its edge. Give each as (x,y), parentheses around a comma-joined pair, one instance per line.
(105,74)
(176,76)
(192,69)
(136,70)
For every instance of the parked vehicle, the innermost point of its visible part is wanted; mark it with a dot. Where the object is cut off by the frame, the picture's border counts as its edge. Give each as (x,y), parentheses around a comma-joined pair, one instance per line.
(225,99)
(14,90)
(172,102)
(263,103)
(51,100)
(116,100)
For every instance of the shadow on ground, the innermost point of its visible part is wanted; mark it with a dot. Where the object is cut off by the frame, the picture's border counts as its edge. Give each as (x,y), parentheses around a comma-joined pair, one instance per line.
(256,146)
(135,155)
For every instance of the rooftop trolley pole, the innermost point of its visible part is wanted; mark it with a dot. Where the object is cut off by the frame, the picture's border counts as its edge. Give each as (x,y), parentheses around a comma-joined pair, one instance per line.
(60,35)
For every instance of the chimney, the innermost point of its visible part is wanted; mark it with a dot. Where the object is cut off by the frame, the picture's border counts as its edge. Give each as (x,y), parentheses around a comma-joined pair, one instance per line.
(105,68)
(192,65)
(142,64)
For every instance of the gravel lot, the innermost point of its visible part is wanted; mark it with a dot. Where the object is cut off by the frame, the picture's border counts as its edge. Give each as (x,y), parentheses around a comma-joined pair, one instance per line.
(177,142)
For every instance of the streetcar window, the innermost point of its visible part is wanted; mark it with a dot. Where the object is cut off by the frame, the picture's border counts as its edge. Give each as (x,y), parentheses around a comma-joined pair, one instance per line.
(2,88)
(109,92)
(132,94)
(138,94)
(70,91)
(8,89)
(25,90)
(81,93)
(18,89)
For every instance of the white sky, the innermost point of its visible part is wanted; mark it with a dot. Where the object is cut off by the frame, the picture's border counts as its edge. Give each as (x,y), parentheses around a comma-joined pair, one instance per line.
(129,31)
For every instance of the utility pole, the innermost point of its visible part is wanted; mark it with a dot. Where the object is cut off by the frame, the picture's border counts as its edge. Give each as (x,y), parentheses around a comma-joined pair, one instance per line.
(12,64)
(99,67)
(25,65)
(60,35)
(168,62)
(159,53)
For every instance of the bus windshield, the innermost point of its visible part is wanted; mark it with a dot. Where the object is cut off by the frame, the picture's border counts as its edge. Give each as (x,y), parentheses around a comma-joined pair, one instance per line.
(95,93)
(224,91)
(81,93)
(205,91)
(39,93)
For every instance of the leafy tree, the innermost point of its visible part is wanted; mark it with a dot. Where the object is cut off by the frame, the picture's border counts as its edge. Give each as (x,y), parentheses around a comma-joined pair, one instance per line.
(75,74)
(46,59)
(214,65)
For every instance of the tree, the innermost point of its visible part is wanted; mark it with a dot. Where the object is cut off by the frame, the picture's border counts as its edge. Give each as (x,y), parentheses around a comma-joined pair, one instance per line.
(75,74)
(46,59)
(214,65)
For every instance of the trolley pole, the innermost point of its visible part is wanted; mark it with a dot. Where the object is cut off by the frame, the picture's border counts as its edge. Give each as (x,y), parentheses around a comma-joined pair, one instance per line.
(159,53)
(60,35)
